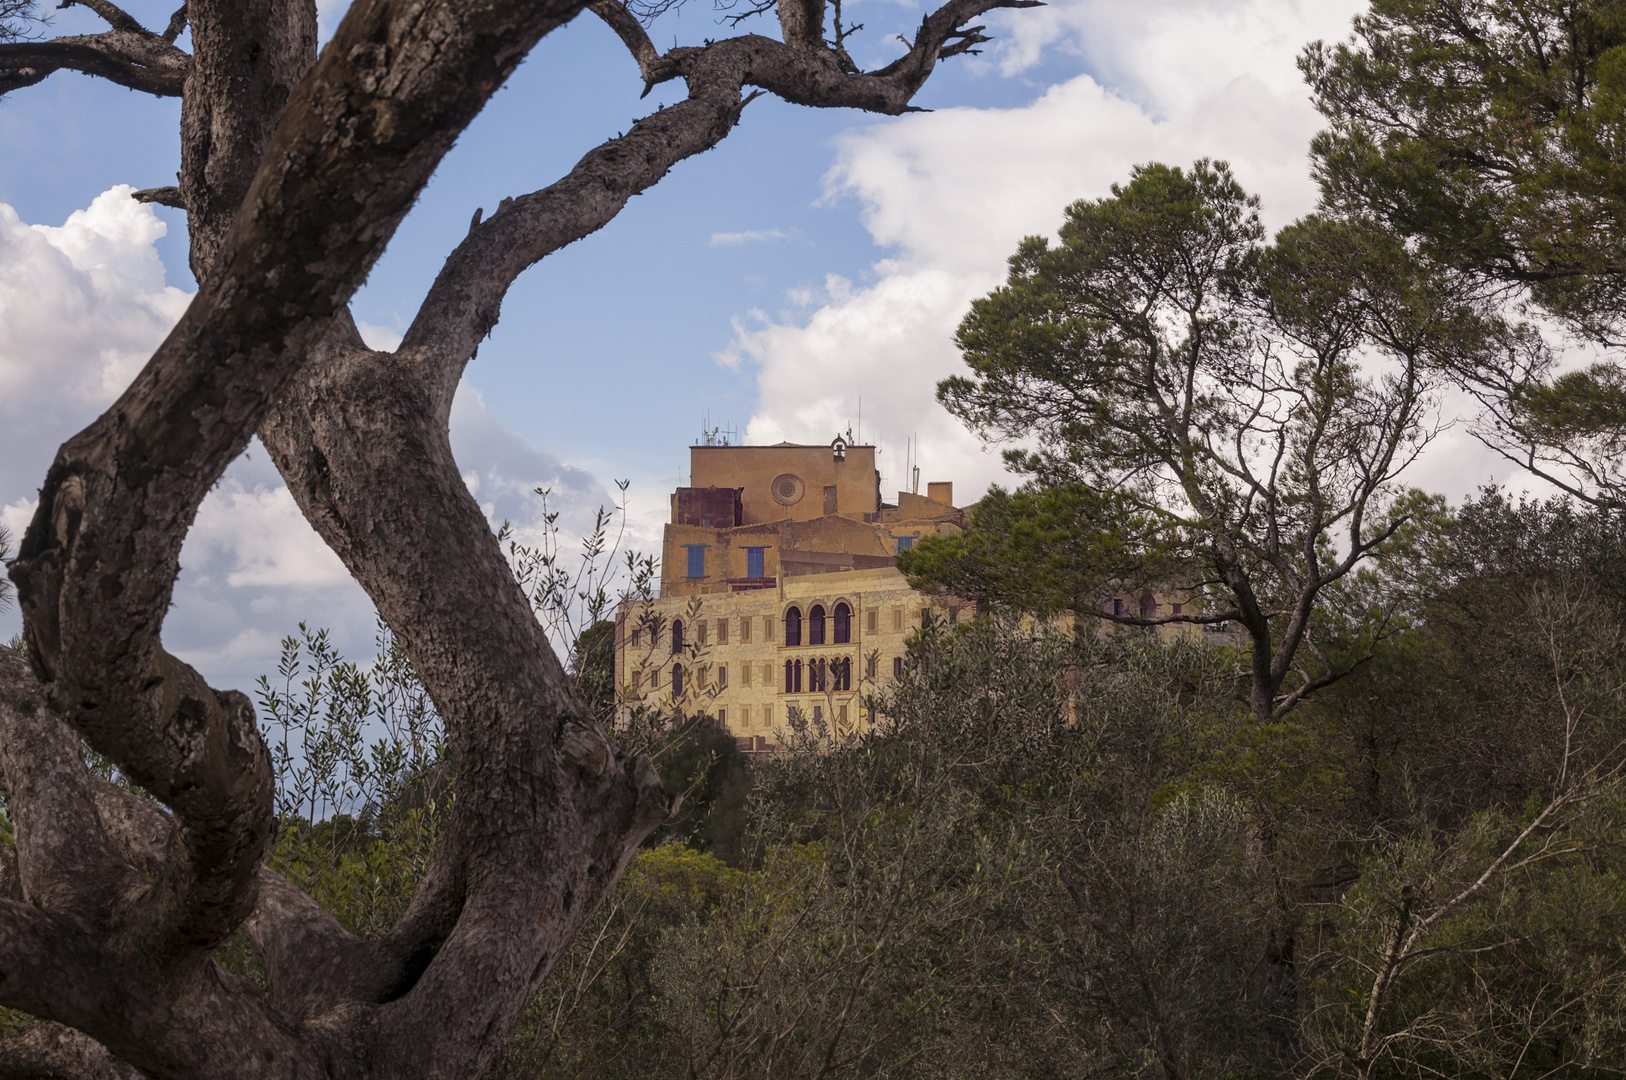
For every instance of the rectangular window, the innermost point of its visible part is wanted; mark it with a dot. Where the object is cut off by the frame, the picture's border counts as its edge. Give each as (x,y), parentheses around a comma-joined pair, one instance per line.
(700,629)
(905,543)
(841,713)
(722,631)
(700,679)
(637,681)
(722,676)
(897,620)
(636,634)
(767,627)
(722,718)
(745,629)
(869,621)
(745,674)
(897,667)
(1178,608)
(1117,606)
(767,716)
(754,561)
(767,674)
(697,559)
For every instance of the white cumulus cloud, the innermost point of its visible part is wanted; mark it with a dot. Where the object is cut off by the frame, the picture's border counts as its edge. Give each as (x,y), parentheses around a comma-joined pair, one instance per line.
(82,307)
(949,194)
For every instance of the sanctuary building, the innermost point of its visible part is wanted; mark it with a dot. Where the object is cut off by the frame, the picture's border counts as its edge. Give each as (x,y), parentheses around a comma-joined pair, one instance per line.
(780,594)
(779,589)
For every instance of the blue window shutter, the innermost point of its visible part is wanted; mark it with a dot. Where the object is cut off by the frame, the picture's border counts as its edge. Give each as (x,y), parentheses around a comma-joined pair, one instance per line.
(697,560)
(754,562)
(905,543)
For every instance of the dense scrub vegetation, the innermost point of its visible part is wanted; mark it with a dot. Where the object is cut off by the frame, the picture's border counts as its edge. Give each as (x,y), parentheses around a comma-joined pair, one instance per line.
(1072,854)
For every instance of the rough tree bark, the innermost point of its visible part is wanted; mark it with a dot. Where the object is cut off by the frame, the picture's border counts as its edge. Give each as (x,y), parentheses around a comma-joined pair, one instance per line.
(295,171)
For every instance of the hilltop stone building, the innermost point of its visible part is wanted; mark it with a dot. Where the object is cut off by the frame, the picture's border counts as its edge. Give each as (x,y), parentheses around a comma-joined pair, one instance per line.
(779,590)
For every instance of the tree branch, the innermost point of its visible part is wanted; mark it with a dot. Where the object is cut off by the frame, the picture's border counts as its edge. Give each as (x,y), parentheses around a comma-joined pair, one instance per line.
(133,58)
(163,196)
(547,810)
(177,23)
(311,961)
(111,13)
(654,67)
(64,860)
(50,1051)
(466,299)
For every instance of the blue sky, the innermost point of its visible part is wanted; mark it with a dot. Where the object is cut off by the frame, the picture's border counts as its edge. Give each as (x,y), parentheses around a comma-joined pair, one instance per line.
(813,259)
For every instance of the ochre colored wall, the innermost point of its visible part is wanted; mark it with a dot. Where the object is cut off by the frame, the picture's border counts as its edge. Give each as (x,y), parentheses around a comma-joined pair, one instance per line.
(758,704)
(829,538)
(754,468)
(753,705)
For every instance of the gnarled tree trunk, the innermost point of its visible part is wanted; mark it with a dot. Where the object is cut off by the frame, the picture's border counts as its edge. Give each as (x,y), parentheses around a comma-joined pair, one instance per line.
(295,172)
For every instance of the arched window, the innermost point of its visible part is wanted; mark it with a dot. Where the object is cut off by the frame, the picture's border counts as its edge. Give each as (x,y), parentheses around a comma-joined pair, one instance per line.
(815,625)
(793,626)
(677,636)
(677,680)
(798,672)
(843,673)
(844,624)
(790,685)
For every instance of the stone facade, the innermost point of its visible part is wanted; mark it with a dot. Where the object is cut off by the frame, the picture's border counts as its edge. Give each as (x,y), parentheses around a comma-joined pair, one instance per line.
(779,590)
(755,514)
(810,642)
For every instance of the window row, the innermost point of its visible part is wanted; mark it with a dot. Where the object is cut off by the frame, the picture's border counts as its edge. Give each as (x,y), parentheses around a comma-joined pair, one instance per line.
(823,674)
(840,626)
(818,628)
(815,713)
(1149,608)
(754,561)
(761,718)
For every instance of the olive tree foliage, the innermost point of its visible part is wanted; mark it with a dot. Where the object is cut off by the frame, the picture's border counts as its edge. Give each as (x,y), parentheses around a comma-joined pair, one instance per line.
(1489,134)
(1073,855)
(1218,417)
(1062,855)
(1481,935)
(977,886)
(296,169)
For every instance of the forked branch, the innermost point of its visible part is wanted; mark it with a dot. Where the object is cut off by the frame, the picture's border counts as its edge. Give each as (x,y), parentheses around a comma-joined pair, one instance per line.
(466,300)
(134,58)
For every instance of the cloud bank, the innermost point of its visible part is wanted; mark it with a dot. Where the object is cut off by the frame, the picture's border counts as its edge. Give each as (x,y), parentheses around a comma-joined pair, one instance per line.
(949,195)
(82,307)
